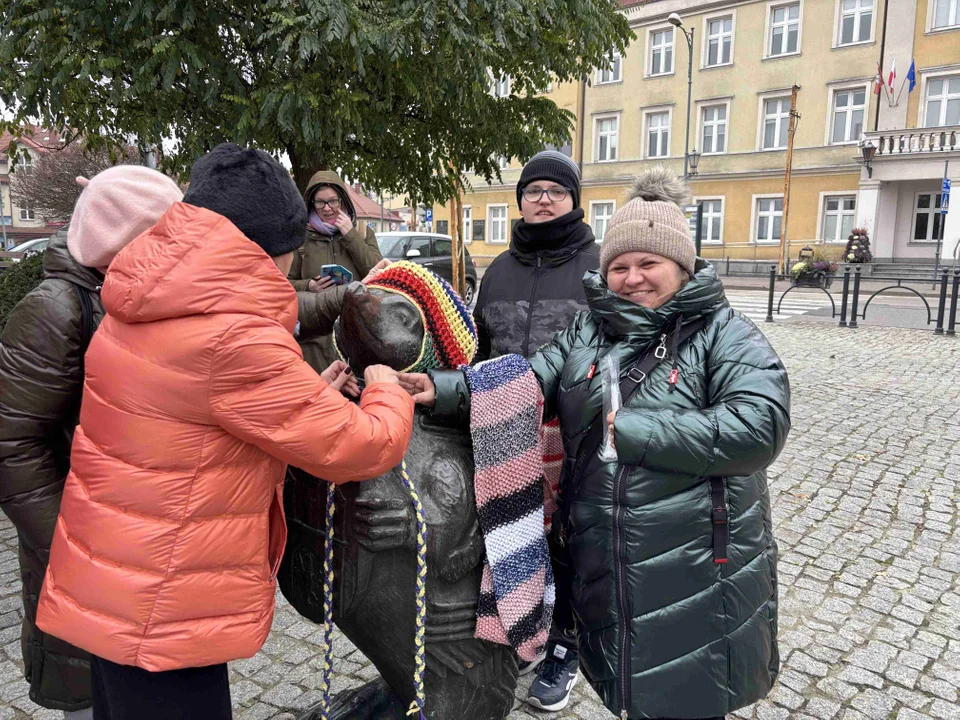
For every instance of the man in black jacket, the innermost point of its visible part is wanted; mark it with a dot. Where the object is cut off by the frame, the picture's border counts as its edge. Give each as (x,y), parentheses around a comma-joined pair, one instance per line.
(527,295)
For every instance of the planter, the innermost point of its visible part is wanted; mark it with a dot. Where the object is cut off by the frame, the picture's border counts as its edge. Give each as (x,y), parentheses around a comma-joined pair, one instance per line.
(818,279)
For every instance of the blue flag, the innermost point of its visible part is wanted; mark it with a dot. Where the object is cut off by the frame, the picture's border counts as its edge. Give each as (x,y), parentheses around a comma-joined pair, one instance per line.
(912,76)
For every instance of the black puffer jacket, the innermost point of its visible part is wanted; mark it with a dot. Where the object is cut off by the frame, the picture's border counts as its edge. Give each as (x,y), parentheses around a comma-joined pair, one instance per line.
(41,383)
(663,630)
(533,291)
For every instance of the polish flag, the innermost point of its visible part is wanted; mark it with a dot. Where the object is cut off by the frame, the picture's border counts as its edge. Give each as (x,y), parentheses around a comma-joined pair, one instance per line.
(878,80)
(893,75)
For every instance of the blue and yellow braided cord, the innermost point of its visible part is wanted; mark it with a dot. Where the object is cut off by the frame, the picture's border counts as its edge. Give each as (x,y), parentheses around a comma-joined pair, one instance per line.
(419,663)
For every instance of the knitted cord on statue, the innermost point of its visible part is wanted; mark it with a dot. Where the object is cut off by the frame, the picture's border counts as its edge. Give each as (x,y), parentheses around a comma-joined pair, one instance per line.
(517,592)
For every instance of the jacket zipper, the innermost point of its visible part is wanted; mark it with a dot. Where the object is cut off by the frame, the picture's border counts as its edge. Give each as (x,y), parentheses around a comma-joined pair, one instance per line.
(620,566)
(533,297)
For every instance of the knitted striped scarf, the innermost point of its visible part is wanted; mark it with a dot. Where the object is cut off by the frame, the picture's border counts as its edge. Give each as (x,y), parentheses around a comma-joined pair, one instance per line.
(517,591)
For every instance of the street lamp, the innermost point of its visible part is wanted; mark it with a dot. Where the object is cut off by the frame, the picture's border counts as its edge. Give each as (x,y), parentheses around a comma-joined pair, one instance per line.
(867,151)
(694,161)
(675,20)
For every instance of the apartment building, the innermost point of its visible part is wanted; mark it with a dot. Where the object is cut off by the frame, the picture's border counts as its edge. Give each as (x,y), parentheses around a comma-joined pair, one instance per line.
(746,57)
(18,223)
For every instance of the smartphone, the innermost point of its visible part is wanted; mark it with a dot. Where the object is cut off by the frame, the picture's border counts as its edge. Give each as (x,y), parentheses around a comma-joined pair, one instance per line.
(340,275)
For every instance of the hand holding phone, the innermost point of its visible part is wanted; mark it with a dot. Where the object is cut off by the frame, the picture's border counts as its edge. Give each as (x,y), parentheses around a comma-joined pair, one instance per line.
(339,274)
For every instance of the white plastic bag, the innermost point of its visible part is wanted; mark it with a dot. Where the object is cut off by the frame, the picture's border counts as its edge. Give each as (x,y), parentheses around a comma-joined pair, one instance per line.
(610,376)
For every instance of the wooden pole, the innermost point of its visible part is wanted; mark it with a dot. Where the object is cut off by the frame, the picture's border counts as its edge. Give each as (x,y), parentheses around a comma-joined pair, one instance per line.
(782,264)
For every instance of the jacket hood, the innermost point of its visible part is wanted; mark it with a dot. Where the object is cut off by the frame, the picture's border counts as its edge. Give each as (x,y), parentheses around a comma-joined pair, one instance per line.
(196,262)
(328,177)
(58,263)
(702,295)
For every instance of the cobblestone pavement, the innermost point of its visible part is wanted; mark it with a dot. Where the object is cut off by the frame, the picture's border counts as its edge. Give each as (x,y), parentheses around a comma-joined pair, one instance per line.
(865,504)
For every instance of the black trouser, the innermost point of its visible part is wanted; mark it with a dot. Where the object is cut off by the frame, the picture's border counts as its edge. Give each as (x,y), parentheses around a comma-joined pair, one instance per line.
(123,692)
(563,630)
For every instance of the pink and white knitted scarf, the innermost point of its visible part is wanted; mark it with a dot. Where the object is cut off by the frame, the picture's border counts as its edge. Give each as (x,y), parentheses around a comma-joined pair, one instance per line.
(517,592)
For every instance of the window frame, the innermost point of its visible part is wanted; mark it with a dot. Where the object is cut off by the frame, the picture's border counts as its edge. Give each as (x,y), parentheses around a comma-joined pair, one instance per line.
(838,26)
(925,78)
(467,236)
(657,110)
(832,92)
(768,29)
(934,210)
(705,39)
(597,119)
(496,83)
(701,122)
(723,216)
(648,62)
(616,57)
(932,13)
(593,217)
(755,218)
(27,213)
(488,232)
(762,119)
(826,195)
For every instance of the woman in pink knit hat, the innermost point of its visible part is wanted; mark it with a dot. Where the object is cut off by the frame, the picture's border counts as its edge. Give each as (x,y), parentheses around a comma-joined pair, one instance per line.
(41,381)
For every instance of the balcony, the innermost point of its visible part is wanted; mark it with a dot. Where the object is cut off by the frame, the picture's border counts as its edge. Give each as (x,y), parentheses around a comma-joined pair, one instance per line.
(915,141)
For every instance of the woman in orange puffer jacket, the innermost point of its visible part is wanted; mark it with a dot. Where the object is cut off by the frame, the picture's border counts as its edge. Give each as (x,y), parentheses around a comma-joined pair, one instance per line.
(171,529)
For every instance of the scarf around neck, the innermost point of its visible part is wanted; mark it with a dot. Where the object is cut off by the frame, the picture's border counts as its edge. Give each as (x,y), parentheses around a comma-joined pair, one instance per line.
(320,226)
(560,238)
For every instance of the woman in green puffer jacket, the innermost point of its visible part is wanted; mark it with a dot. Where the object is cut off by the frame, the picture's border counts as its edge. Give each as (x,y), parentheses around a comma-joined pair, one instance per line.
(675,587)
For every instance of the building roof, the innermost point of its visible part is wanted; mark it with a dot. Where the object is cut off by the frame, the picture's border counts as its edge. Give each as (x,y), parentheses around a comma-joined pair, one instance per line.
(368,209)
(35,137)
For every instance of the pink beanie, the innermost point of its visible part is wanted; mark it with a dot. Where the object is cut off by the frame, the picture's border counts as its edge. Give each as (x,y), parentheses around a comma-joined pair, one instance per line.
(116,206)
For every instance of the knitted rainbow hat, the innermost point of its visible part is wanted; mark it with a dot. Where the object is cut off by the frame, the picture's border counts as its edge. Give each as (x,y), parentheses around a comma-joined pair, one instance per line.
(450,336)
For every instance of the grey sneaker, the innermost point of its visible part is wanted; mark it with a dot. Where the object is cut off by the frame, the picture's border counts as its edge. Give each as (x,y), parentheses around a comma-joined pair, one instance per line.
(555,679)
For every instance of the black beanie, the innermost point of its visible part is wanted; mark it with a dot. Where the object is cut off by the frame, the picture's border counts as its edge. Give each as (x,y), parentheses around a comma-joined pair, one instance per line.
(254,192)
(554,166)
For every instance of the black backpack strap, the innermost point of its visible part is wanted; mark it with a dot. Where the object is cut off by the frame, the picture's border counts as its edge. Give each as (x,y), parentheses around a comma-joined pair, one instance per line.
(87,327)
(719,517)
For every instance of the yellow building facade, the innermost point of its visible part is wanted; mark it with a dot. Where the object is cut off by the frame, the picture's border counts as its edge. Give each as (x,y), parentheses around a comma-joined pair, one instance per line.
(746,57)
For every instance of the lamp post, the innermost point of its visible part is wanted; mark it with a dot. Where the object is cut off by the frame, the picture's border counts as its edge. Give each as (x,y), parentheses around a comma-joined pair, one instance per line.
(867,151)
(675,20)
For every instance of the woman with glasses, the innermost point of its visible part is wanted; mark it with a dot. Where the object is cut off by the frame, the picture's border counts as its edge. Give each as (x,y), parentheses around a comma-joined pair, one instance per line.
(333,238)
(528,295)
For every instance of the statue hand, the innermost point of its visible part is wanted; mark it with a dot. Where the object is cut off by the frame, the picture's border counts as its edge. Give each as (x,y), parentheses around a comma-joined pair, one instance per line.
(384,523)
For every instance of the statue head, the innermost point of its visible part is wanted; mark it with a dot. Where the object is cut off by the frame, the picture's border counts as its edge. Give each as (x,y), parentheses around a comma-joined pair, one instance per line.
(408,318)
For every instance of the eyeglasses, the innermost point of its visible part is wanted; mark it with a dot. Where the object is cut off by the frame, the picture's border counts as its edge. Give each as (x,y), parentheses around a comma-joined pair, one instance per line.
(536,193)
(332,204)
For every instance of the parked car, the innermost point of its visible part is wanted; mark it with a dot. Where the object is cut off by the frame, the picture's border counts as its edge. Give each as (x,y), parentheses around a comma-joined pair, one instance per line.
(30,247)
(433,251)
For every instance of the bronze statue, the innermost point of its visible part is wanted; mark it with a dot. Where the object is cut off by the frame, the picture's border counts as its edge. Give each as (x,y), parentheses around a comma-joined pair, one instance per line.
(375,556)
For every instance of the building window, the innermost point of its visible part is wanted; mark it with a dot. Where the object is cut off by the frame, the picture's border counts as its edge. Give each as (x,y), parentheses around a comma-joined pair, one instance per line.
(769,219)
(776,123)
(497,216)
(946,13)
(713,138)
(658,134)
(839,212)
(25,165)
(784,29)
(600,214)
(711,224)
(501,87)
(661,52)
(502,162)
(612,74)
(467,223)
(943,101)
(607,138)
(848,109)
(856,21)
(927,220)
(719,41)
(27,212)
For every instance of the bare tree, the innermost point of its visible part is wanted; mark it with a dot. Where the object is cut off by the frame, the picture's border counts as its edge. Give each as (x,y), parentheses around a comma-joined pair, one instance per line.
(49,185)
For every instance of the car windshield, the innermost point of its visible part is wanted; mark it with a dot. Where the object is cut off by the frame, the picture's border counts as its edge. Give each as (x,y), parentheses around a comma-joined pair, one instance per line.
(29,244)
(391,246)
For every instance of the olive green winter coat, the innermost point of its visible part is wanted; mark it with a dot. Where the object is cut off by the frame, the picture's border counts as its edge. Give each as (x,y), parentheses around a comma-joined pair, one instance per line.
(41,382)
(664,631)
(357,251)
